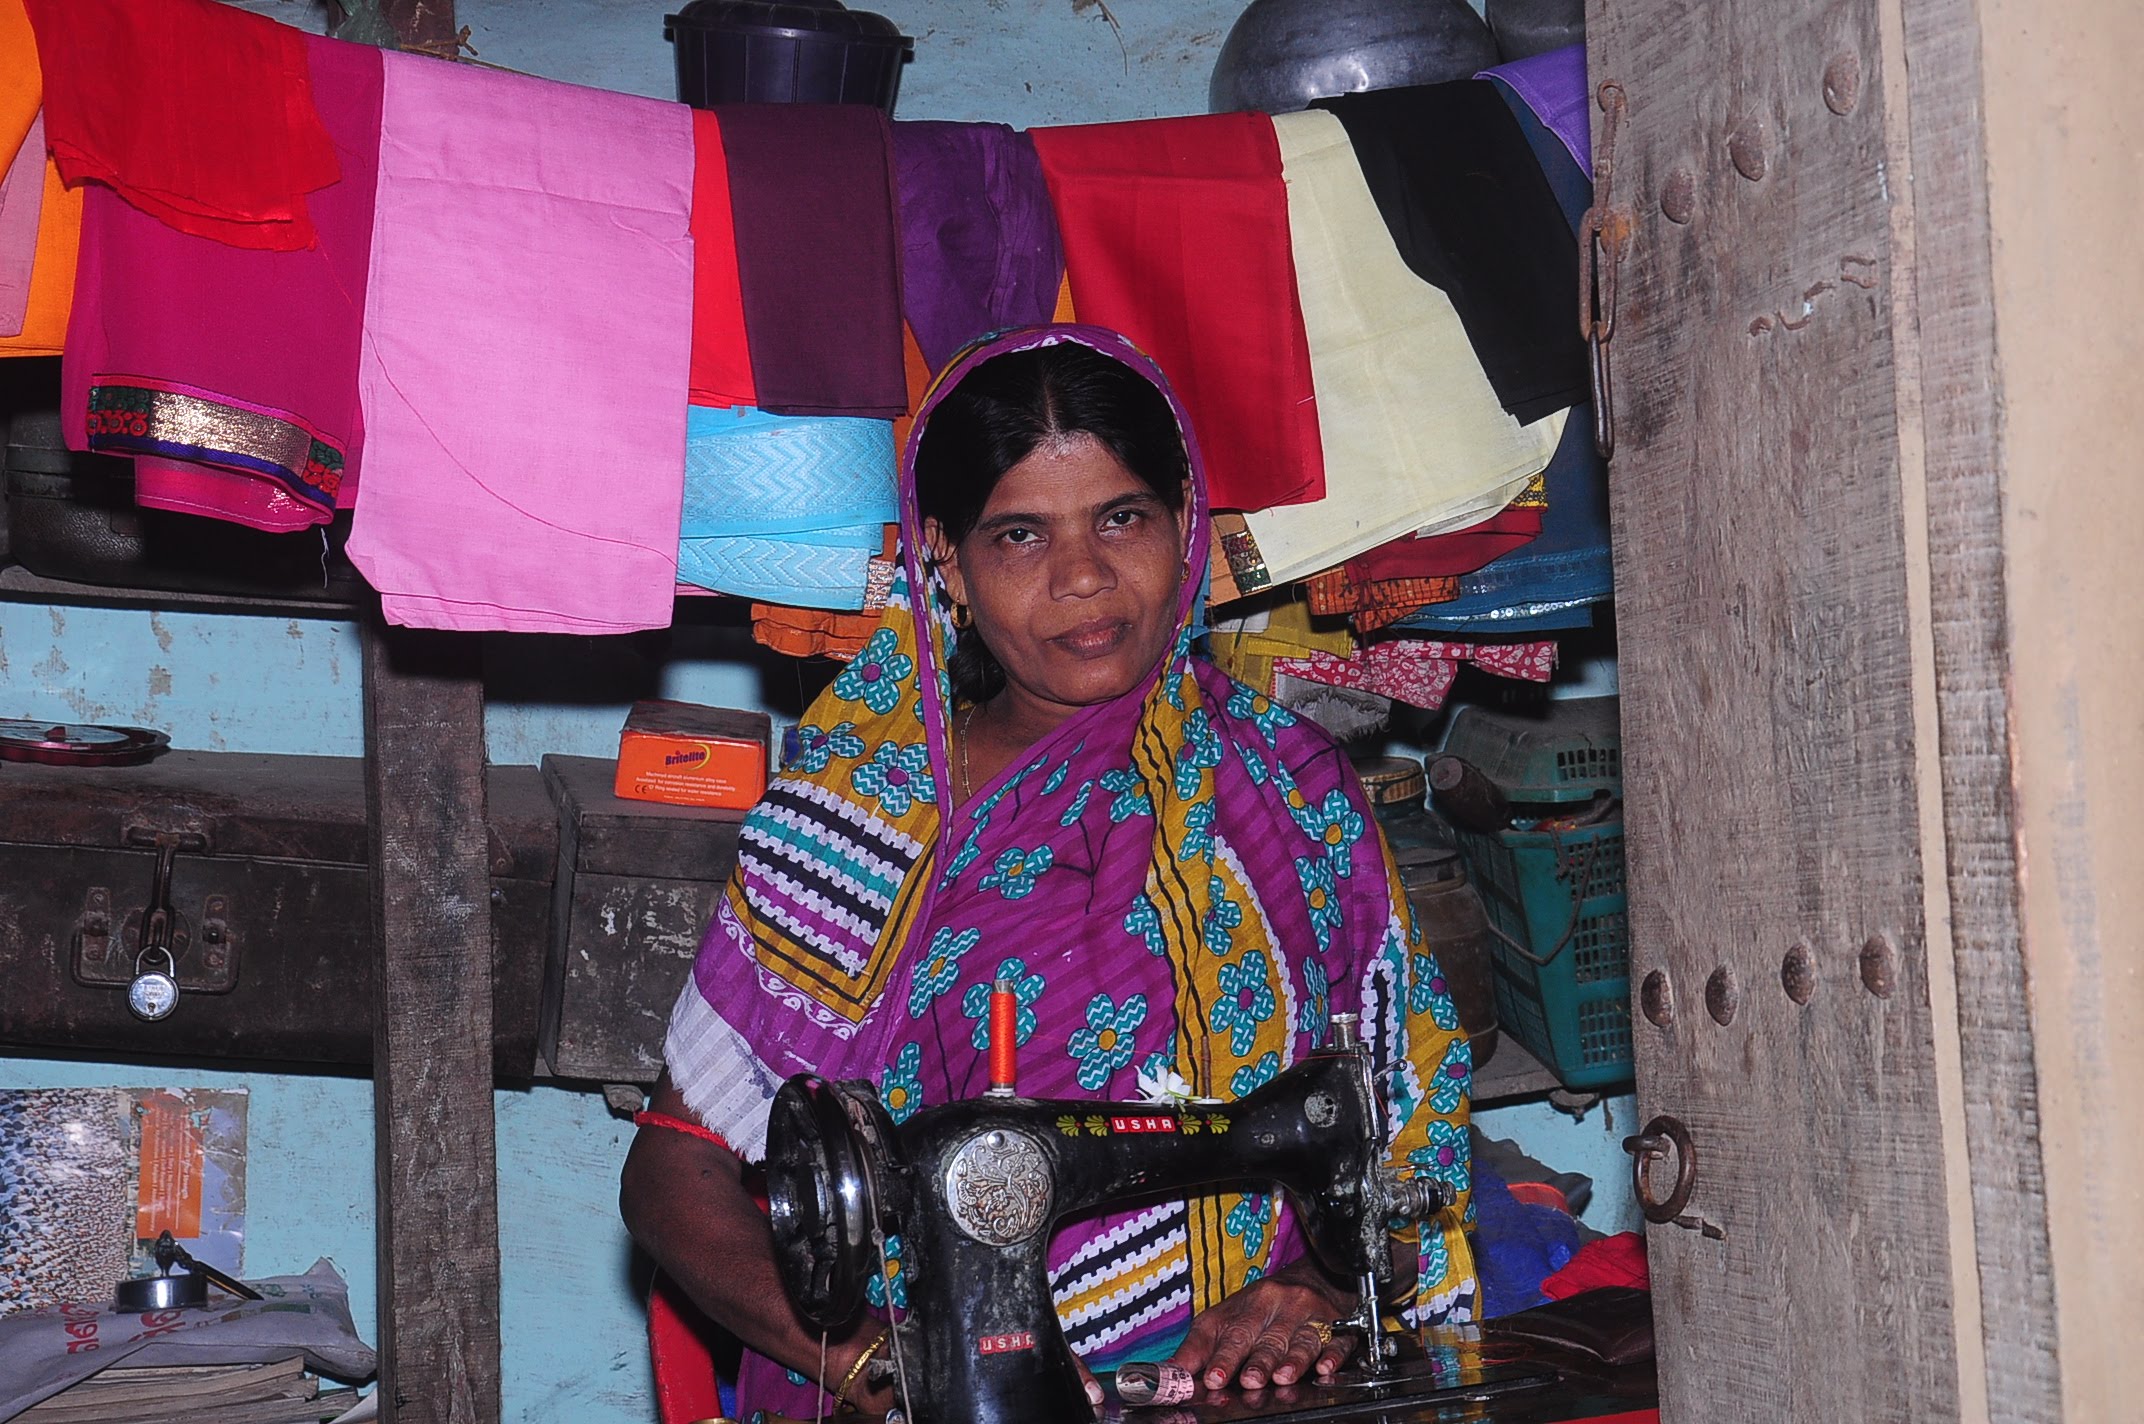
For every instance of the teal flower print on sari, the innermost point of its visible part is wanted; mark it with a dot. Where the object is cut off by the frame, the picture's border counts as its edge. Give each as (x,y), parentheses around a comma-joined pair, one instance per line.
(1026,989)
(1445,1158)
(1248,705)
(940,968)
(895,1269)
(1313,1018)
(1015,871)
(816,746)
(1198,831)
(1131,794)
(1254,764)
(1105,1044)
(1078,808)
(1252,1076)
(1335,824)
(1144,920)
(1223,916)
(896,777)
(901,1089)
(1449,1087)
(1429,994)
(1247,1221)
(1321,896)
(874,676)
(1200,753)
(1246,1001)
(1056,778)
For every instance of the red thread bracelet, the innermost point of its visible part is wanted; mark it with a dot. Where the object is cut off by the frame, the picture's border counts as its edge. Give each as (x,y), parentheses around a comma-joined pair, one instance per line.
(678,1124)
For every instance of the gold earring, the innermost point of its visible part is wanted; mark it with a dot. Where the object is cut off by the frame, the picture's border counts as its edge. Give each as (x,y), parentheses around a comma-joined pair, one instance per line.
(962,618)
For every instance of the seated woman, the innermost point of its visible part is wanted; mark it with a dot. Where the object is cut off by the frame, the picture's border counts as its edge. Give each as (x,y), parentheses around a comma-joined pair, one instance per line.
(1029,774)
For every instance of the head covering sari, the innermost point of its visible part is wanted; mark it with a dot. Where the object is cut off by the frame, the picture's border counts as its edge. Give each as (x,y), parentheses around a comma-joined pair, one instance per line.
(1182,883)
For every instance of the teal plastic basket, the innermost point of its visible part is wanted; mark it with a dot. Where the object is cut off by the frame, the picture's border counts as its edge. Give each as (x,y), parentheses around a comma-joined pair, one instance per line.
(1562,950)
(1572,751)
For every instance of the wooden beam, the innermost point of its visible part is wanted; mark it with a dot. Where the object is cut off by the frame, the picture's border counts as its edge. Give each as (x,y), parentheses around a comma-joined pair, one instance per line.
(436,1149)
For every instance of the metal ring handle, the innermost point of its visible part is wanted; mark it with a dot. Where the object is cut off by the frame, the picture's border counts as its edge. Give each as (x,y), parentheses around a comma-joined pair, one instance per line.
(1661,1136)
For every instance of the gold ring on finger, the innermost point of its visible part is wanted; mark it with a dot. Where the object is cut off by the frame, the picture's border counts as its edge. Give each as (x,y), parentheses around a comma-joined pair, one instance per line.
(1324,1333)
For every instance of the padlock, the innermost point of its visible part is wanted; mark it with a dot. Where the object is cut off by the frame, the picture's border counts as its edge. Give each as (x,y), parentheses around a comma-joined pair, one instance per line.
(154,992)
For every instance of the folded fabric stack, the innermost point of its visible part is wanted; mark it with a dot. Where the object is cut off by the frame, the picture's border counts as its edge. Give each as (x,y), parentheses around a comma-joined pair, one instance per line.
(592,350)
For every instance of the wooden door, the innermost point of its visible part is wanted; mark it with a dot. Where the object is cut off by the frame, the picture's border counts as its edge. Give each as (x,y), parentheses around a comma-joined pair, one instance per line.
(1809,493)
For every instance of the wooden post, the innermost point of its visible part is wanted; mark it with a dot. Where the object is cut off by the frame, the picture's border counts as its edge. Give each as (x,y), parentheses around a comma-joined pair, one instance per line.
(437,1158)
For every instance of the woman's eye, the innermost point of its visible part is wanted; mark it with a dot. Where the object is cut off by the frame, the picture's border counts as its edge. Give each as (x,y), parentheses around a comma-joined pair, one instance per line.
(1019,535)
(1121,518)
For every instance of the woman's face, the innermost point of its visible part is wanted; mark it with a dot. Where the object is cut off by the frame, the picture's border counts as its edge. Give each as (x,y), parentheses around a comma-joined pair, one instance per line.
(1072,575)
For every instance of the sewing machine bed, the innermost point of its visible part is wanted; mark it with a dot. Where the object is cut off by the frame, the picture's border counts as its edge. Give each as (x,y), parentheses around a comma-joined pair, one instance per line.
(1515,1392)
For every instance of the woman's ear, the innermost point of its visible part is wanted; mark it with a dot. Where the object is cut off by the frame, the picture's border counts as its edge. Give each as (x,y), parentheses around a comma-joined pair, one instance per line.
(945,555)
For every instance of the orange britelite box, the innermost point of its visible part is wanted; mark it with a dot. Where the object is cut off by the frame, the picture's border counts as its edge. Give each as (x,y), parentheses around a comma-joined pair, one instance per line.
(689,755)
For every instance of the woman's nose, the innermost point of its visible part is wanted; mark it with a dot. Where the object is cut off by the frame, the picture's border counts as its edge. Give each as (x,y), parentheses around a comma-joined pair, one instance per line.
(1081,570)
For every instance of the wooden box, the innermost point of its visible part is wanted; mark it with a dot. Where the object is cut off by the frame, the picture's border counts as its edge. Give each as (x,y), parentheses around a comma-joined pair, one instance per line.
(637,883)
(270,886)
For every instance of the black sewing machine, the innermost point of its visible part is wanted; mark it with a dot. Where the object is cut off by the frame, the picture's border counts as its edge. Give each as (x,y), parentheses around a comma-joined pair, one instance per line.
(974,1187)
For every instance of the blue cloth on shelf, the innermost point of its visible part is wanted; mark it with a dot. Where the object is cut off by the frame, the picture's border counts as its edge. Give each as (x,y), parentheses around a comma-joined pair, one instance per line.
(1517,1245)
(785,508)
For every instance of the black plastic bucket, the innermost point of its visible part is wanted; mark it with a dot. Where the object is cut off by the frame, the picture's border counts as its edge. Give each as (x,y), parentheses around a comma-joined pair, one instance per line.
(786,52)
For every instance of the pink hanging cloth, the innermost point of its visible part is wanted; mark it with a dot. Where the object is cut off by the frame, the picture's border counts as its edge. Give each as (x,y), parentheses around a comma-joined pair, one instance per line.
(527,342)
(230,373)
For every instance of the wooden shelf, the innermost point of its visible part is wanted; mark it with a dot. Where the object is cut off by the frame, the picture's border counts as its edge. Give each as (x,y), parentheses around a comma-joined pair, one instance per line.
(19,585)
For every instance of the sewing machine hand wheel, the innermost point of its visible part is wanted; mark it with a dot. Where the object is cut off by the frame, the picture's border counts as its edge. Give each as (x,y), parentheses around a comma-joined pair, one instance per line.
(820,1194)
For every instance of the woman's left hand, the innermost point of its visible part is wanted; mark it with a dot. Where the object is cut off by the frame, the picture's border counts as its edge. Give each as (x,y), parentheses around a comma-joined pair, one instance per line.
(1269,1332)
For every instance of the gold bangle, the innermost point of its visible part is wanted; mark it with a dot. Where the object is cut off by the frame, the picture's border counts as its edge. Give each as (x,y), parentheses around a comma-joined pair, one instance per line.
(841,1394)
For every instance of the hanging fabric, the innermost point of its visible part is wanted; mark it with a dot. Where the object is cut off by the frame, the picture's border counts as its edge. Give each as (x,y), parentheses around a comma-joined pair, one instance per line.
(721,352)
(979,247)
(230,374)
(811,188)
(199,113)
(1465,202)
(38,280)
(1415,439)
(1553,86)
(527,344)
(1176,233)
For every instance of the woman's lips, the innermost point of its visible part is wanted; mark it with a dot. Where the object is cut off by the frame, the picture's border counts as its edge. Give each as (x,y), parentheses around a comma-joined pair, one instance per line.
(1096,638)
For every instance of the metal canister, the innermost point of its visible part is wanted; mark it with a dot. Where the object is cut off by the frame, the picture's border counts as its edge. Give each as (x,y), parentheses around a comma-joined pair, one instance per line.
(1454,926)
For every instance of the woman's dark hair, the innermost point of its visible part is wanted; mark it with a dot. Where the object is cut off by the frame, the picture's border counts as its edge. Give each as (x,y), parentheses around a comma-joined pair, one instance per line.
(996,417)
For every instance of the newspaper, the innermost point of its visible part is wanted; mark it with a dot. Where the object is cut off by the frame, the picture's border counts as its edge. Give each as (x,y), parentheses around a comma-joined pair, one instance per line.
(44,1351)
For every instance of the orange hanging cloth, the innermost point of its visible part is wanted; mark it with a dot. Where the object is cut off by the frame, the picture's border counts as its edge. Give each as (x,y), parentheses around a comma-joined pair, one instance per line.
(43,323)
(198,113)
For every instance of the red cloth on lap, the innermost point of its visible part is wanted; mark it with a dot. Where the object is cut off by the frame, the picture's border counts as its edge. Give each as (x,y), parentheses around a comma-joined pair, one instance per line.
(1175,233)
(198,113)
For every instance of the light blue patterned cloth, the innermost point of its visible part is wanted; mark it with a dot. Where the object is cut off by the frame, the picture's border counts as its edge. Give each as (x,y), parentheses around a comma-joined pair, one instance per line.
(784,508)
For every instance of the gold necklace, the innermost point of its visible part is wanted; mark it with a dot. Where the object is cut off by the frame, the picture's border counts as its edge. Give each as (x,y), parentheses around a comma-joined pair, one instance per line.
(967,730)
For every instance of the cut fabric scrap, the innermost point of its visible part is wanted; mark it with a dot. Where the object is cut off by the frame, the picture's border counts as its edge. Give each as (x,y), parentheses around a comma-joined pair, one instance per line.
(1347,714)
(43,331)
(812,632)
(979,247)
(22,204)
(1617,1260)
(1553,86)
(1415,439)
(721,353)
(198,113)
(231,373)
(1419,672)
(812,194)
(1465,202)
(1176,233)
(1461,551)
(1372,604)
(1245,644)
(525,419)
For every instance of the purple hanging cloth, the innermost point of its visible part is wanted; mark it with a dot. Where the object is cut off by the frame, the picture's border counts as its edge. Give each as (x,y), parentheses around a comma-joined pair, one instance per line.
(979,246)
(1553,85)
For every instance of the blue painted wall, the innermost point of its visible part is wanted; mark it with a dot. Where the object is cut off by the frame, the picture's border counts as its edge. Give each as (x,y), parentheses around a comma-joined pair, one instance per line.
(573,1345)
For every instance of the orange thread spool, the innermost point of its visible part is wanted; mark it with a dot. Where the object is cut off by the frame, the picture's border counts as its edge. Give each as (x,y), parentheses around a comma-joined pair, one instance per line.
(1004,1037)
